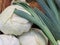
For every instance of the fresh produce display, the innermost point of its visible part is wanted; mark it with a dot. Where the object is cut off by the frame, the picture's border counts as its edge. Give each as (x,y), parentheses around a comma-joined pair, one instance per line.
(17,19)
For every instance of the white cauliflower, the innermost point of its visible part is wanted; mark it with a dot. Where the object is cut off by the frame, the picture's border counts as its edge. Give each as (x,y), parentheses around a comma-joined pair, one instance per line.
(10,23)
(8,40)
(33,37)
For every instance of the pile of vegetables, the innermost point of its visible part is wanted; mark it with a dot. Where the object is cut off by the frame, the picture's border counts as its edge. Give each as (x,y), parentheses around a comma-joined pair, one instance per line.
(18,30)
(17,19)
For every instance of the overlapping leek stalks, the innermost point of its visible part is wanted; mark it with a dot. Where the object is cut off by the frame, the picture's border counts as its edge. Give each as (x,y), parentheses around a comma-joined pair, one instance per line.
(33,37)
(10,23)
(8,40)
(49,21)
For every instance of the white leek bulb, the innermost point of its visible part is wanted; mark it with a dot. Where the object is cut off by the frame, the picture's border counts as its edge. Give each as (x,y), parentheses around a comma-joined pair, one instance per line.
(33,37)
(8,40)
(58,42)
(13,1)
(18,0)
(10,23)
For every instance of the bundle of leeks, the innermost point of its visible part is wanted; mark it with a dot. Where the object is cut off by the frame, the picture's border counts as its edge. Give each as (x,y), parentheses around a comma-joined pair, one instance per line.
(17,30)
(49,21)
